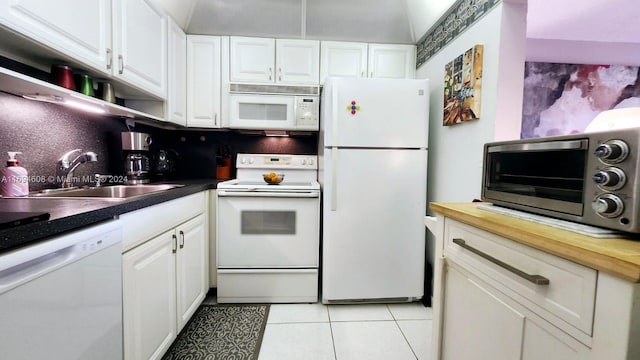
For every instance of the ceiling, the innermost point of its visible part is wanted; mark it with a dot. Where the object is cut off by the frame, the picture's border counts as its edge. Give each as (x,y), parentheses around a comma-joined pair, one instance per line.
(395,21)
(386,21)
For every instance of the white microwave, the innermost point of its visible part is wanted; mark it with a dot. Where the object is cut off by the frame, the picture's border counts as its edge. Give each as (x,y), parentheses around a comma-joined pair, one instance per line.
(272,107)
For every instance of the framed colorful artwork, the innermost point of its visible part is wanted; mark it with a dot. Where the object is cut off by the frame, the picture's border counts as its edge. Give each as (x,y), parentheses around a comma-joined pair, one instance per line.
(463,87)
(563,99)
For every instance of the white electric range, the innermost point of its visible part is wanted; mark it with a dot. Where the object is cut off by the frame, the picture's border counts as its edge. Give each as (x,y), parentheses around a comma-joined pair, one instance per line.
(268,235)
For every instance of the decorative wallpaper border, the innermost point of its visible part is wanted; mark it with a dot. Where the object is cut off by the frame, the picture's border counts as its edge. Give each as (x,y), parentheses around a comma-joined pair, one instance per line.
(458,18)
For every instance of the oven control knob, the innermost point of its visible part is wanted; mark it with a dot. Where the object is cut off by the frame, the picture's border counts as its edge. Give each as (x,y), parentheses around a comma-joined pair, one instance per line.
(608,205)
(310,161)
(612,151)
(610,178)
(304,161)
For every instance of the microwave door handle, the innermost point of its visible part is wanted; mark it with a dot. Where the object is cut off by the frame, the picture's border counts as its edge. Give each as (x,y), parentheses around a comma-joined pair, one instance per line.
(549,145)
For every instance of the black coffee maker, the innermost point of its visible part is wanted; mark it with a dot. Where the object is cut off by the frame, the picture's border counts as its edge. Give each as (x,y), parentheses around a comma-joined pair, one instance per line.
(135,149)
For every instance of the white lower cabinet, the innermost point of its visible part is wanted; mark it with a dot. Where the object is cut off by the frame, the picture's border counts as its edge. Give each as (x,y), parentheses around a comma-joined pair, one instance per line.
(482,323)
(165,279)
(496,298)
(191,267)
(149,300)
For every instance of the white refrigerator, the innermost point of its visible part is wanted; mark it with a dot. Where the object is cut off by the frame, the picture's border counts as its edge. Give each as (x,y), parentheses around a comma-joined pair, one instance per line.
(373,172)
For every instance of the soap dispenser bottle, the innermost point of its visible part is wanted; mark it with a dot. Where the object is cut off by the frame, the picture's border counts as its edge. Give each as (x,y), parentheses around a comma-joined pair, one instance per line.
(14,179)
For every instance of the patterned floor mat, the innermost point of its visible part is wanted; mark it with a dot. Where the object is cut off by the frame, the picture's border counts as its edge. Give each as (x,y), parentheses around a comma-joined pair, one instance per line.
(221,332)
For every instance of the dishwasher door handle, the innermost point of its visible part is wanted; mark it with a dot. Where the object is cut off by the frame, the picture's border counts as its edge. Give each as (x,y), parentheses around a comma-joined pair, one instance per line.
(21,273)
(26,264)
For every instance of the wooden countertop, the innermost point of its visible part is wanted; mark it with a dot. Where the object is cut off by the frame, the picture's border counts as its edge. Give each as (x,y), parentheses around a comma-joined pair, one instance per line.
(616,256)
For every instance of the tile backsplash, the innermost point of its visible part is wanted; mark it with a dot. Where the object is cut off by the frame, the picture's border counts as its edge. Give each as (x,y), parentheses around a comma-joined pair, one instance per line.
(43,132)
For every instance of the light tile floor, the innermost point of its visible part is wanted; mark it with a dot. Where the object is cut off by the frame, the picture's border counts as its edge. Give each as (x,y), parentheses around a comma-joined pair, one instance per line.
(347,332)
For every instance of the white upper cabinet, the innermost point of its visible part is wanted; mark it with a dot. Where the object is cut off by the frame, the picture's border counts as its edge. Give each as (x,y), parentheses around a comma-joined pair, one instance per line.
(297,61)
(140,45)
(392,61)
(362,60)
(268,61)
(344,59)
(78,28)
(177,75)
(252,59)
(81,31)
(203,81)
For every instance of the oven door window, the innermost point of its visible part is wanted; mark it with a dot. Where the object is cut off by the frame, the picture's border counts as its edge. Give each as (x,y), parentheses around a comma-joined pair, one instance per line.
(264,222)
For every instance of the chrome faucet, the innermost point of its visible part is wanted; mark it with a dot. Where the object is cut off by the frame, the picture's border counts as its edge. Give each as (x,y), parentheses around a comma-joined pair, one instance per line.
(66,166)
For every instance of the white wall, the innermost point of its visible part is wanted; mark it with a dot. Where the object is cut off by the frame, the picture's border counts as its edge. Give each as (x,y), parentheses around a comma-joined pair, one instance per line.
(455,152)
(583,52)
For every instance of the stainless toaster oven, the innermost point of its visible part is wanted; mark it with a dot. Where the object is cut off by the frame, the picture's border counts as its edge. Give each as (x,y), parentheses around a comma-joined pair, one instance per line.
(590,178)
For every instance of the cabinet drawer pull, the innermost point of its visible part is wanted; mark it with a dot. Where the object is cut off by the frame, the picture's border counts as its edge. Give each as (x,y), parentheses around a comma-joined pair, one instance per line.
(109,59)
(120,64)
(181,239)
(174,243)
(536,279)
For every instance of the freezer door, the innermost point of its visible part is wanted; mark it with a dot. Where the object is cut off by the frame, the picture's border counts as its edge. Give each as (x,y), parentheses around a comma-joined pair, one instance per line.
(375,113)
(373,231)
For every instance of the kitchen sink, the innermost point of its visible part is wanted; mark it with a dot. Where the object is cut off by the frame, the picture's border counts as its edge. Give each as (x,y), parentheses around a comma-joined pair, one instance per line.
(110,192)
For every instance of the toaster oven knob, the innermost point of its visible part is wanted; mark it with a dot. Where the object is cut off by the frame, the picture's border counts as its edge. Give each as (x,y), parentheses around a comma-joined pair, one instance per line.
(608,205)
(612,151)
(610,178)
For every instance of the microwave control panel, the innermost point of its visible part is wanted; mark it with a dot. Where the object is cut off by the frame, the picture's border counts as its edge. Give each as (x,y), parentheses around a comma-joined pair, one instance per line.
(307,111)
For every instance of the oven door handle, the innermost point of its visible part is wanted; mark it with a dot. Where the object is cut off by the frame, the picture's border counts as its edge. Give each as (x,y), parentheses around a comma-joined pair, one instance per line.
(310,194)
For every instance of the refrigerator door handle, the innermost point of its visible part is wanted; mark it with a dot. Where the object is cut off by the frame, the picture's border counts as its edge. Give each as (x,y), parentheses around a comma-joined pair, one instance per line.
(334,149)
(334,116)
(334,178)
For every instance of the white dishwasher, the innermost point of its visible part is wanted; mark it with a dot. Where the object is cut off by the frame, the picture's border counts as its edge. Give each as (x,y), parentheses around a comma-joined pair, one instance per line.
(62,298)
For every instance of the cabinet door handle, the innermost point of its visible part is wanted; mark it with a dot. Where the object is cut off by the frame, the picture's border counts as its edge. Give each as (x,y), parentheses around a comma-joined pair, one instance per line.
(269,73)
(279,74)
(109,59)
(174,243)
(536,279)
(362,74)
(120,64)
(371,75)
(181,239)
(215,119)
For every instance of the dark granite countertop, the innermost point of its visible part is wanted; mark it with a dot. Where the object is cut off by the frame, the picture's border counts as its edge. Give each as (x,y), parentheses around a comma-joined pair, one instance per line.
(71,214)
